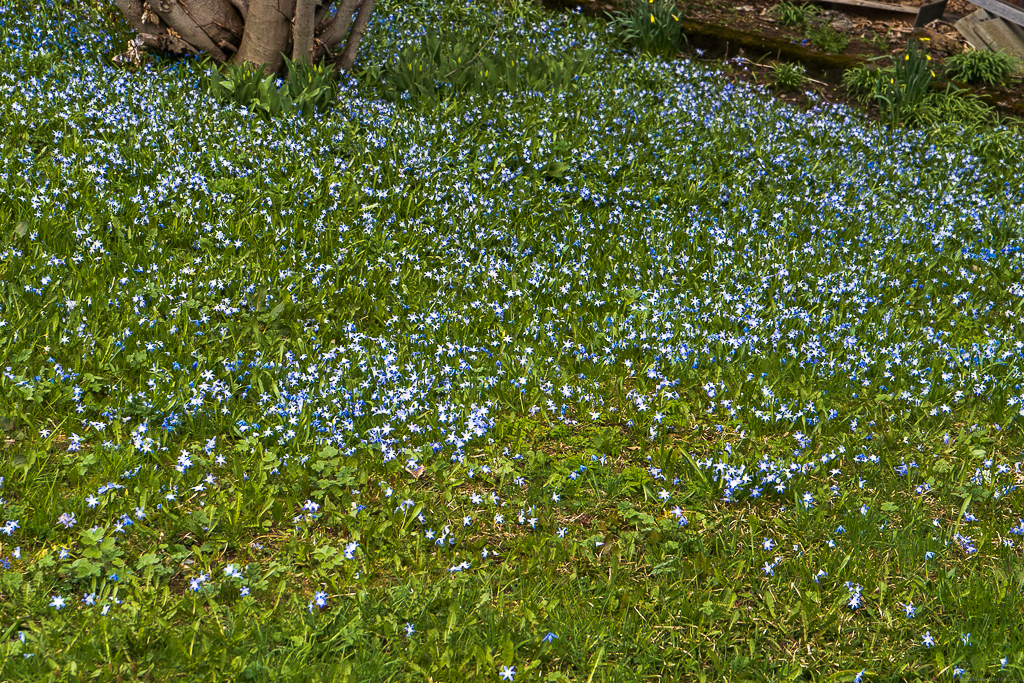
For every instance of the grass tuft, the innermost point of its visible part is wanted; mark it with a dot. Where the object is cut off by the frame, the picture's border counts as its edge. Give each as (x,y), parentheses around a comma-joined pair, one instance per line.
(981,67)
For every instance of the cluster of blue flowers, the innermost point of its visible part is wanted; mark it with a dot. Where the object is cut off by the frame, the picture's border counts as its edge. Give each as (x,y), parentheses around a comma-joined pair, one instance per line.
(778,251)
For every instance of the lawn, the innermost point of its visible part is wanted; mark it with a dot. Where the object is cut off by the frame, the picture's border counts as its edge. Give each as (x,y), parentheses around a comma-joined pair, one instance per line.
(628,374)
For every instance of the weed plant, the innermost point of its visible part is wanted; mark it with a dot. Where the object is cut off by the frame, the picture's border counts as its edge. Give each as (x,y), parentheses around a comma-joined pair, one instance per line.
(522,10)
(788,76)
(376,396)
(792,14)
(981,67)
(955,105)
(827,39)
(863,81)
(433,69)
(652,26)
(309,88)
(881,42)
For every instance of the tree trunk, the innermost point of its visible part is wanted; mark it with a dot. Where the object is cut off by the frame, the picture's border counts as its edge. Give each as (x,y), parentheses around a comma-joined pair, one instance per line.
(267,33)
(256,32)
(348,57)
(302,33)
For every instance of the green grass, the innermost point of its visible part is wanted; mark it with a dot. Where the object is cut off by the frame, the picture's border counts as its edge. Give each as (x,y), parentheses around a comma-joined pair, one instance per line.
(792,14)
(981,67)
(827,39)
(646,377)
(788,76)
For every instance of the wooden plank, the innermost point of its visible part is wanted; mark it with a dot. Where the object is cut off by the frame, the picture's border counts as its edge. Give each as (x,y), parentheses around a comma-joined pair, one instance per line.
(929,13)
(869,5)
(921,16)
(968,28)
(1000,35)
(877,11)
(1002,10)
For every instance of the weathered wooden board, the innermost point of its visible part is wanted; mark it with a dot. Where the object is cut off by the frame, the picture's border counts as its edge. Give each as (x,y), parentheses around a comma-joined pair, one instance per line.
(967,27)
(868,4)
(1002,10)
(929,13)
(984,31)
(919,16)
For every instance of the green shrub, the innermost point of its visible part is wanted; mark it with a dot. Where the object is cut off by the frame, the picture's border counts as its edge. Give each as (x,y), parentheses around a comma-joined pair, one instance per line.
(788,76)
(522,9)
(791,14)
(954,106)
(863,81)
(827,39)
(431,69)
(981,67)
(652,26)
(309,88)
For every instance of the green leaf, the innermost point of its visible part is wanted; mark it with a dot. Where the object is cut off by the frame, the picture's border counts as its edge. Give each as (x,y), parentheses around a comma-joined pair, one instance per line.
(147,560)
(85,568)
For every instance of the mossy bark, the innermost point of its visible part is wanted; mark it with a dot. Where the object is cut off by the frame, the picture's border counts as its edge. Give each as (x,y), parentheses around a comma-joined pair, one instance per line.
(722,41)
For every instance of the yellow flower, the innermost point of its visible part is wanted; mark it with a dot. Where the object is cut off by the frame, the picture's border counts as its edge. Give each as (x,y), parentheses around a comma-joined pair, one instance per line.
(907,58)
(675,17)
(929,57)
(652,18)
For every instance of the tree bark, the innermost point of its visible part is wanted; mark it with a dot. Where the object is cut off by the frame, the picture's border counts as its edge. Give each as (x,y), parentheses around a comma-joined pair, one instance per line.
(256,32)
(336,28)
(132,11)
(176,17)
(165,42)
(348,57)
(217,18)
(243,8)
(302,30)
(321,12)
(266,34)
